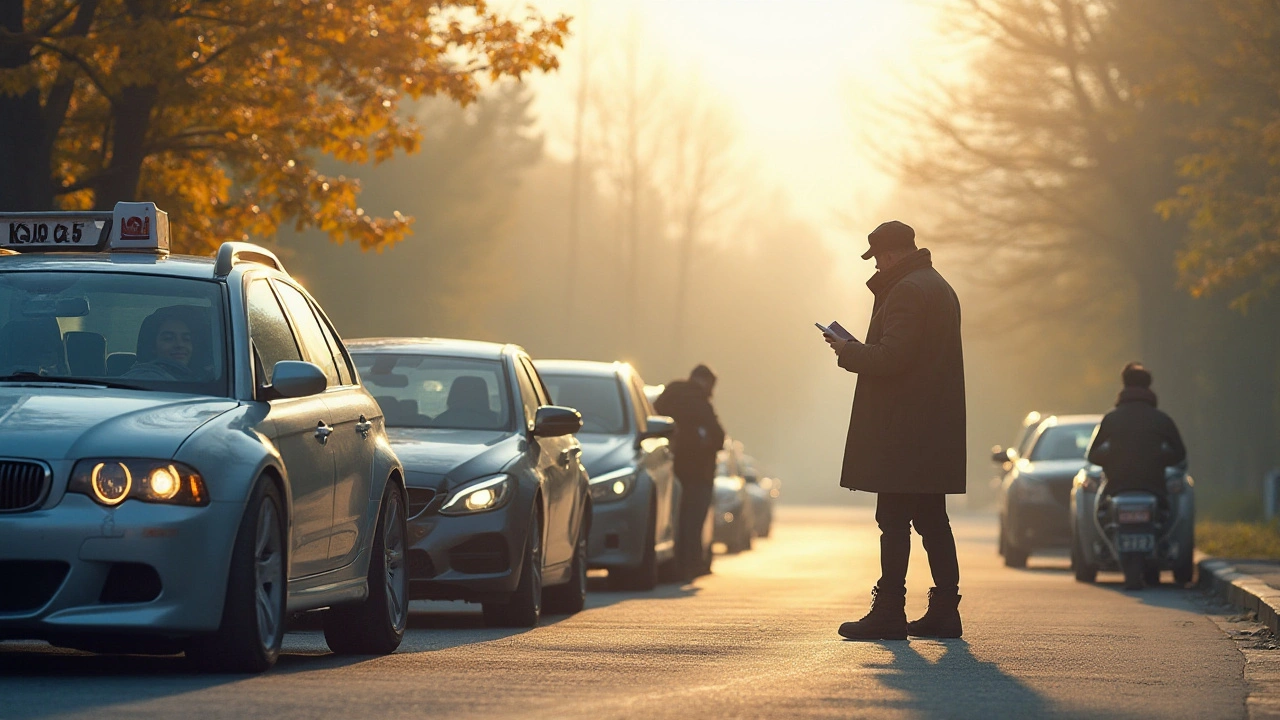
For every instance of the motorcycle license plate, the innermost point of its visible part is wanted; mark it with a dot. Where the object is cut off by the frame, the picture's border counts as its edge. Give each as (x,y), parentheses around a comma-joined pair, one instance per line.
(1135,516)
(1137,543)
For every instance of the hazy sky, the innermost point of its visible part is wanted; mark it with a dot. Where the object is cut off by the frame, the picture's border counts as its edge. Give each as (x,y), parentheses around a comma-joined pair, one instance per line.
(803,79)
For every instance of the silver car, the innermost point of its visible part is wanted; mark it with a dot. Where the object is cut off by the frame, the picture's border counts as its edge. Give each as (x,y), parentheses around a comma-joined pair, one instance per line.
(187,453)
(627,451)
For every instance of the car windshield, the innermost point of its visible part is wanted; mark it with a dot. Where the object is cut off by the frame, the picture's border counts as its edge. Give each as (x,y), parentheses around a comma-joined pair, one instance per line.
(148,332)
(599,399)
(1063,442)
(429,391)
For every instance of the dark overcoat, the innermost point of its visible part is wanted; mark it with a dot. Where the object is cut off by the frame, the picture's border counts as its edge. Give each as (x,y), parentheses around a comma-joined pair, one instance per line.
(1135,442)
(907,429)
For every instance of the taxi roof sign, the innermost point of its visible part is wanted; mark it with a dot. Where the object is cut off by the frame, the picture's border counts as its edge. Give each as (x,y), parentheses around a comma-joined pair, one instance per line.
(131,227)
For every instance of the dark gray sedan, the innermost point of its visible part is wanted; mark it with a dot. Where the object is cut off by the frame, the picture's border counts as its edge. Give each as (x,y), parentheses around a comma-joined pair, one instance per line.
(635,495)
(498,502)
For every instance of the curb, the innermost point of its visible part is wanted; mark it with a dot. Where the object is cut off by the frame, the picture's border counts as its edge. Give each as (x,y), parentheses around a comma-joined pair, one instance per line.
(1244,591)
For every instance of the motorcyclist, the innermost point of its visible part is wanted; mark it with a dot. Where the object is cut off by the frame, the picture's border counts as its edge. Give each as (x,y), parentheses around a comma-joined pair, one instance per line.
(1136,442)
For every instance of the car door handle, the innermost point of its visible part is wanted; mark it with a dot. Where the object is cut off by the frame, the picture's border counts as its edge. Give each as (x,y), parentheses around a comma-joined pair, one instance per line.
(363,426)
(566,456)
(322,432)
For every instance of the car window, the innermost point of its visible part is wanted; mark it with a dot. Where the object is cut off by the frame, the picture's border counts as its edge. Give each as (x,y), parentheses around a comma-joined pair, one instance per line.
(269,332)
(528,394)
(340,357)
(539,387)
(147,331)
(432,391)
(309,334)
(1062,442)
(598,398)
(639,403)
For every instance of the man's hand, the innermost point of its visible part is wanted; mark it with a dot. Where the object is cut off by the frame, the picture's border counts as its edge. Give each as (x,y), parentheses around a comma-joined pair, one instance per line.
(836,343)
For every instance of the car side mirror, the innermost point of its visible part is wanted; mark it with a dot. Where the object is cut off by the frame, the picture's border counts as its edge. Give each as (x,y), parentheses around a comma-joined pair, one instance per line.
(296,378)
(658,426)
(555,421)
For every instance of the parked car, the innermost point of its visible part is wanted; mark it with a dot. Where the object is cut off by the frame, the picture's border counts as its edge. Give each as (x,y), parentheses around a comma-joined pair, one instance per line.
(1034,497)
(186,452)
(626,449)
(735,517)
(1004,458)
(499,507)
(763,490)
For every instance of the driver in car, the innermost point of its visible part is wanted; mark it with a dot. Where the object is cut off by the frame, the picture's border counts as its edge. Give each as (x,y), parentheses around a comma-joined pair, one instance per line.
(1136,441)
(166,346)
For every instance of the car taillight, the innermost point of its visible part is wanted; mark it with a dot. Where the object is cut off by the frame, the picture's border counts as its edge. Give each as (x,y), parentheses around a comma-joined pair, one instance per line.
(1137,515)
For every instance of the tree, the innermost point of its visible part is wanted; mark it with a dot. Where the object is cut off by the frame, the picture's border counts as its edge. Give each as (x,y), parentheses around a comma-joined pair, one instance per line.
(219,110)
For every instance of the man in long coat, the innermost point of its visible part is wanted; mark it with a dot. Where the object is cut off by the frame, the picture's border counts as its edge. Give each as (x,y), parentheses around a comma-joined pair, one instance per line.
(907,431)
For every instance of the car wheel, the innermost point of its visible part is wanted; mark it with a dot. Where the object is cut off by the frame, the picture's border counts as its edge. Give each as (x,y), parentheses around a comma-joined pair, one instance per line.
(1151,574)
(644,576)
(375,626)
(524,607)
(252,629)
(1084,572)
(571,597)
(1015,557)
(1184,568)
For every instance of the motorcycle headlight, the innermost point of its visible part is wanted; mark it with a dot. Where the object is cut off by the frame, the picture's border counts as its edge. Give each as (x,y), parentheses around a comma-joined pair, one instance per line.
(613,486)
(489,493)
(111,481)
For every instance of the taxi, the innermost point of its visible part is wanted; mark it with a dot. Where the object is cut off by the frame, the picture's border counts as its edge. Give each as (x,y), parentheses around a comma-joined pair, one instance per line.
(187,454)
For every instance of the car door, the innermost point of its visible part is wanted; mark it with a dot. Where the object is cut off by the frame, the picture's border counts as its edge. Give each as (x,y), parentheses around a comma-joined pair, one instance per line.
(351,413)
(658,462)
(293,424)
(555,458)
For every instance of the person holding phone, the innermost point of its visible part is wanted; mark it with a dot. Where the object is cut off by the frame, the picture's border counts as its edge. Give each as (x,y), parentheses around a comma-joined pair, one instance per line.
(906,438)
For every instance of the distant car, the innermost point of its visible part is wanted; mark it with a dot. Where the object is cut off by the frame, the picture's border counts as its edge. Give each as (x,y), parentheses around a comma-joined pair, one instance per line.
(627,452)
(1004,458)
(499,507)
(763,491)
(735,511)
(1034,497)
(187,454)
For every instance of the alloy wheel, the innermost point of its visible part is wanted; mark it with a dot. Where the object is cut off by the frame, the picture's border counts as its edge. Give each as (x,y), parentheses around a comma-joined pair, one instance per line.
(268,555)
(393,550)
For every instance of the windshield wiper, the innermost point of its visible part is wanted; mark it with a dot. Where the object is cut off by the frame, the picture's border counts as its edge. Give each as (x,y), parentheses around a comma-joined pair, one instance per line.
(28,376)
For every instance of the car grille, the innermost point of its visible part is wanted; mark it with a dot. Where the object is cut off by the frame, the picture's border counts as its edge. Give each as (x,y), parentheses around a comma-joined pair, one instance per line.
(419,499)
(23,485)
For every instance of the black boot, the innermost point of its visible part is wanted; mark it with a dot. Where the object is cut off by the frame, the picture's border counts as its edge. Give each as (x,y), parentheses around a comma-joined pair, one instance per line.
(886,621)
(942,619)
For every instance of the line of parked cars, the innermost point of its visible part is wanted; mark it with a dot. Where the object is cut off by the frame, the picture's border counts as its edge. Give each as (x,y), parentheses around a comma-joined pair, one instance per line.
(1051,498)
(190,455)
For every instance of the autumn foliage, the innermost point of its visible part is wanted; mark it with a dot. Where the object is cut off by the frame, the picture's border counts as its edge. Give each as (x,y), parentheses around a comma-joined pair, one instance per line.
(220,111)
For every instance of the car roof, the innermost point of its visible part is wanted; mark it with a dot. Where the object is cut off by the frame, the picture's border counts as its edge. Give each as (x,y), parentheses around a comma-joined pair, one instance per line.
(580,367)
(117,262)
(432,346)
(1073,419)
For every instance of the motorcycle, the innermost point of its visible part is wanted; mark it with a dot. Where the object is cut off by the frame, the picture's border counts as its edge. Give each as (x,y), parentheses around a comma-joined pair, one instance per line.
(1133,532)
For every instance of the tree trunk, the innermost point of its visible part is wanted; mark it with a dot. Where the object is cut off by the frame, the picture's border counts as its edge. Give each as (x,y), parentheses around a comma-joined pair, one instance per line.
(131,120)
(24,182)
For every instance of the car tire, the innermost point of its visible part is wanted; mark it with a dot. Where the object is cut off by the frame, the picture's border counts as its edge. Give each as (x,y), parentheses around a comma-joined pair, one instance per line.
(1015,557)
(375,626)
(1083,571)
(643,577)
(1184,568)
(253,615)
(571,597)
(1151,574)
(523,608)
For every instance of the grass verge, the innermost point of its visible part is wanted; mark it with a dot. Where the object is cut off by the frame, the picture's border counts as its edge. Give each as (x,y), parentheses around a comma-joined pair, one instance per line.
(1253,540)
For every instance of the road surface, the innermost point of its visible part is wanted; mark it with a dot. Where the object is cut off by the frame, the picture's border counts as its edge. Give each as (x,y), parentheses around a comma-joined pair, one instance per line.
(756,639)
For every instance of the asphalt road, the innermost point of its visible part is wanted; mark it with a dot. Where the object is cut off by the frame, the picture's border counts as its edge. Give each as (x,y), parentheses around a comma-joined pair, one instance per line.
(756,639)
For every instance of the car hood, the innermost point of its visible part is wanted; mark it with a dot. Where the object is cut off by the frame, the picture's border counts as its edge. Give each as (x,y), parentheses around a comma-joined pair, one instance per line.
(442,458)
(605,453)
(1050,469)
(63,422)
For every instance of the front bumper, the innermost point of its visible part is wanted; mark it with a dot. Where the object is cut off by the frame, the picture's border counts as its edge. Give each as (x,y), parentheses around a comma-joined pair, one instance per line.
(1039,526)
(619,531)
(475,558)
(90,564)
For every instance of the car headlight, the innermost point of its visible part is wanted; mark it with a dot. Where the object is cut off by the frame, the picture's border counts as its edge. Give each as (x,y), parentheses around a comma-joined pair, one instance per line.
(489,493)
(1034,491)
(111,481)
(613,486)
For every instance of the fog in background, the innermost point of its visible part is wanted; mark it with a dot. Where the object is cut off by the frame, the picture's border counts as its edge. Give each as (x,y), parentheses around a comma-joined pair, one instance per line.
(696,184)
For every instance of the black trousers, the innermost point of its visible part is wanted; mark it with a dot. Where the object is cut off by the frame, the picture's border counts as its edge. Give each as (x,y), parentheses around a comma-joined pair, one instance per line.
(694,501)
(895,514)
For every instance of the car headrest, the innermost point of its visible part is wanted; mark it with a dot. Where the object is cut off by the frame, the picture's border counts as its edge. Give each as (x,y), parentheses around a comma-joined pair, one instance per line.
(86,353)
(469,392)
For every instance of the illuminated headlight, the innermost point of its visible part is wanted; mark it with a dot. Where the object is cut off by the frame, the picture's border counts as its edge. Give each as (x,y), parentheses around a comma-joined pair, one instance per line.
(485,494)
(111,481)
(613,486)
